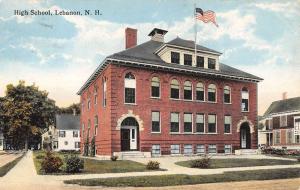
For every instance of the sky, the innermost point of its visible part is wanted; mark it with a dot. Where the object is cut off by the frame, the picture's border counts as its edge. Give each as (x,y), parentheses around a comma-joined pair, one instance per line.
(58,53)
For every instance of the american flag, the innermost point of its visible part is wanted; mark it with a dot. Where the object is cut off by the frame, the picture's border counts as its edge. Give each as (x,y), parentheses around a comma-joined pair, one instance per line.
(206,16)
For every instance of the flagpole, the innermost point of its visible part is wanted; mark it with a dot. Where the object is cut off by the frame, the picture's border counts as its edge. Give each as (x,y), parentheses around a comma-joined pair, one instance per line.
(195,27)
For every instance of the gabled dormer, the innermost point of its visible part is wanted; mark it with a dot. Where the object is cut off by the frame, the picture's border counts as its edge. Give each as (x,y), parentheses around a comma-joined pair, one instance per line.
(182,52)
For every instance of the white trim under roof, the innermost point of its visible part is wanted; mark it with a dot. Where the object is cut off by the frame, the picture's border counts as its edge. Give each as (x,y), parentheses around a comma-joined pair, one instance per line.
(281,114)
(187,48)
(104,64)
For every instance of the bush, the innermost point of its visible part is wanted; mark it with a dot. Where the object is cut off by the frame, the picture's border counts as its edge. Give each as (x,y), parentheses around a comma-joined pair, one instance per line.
(51,163)
(39,157)
(201,163)
(152,165)
(114,158)
(73,164)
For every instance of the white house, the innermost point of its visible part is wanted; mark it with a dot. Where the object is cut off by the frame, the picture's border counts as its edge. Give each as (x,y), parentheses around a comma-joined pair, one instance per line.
(65,134)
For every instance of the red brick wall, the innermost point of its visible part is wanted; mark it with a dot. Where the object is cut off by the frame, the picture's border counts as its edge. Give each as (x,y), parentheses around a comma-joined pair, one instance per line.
(108,140)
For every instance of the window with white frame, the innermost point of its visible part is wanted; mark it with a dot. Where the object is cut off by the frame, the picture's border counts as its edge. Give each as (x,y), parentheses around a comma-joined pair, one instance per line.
(200,123)
(62,133)
(289,136)
(200,92)
(96,125)
(188,126)
(297,129)
(212,148)
(283,120)
(227,95)
(174,123)
(200,149)
(227,149)
(277,137)
(212,123)
(104,97)
(211,63)
(175,57)
(77,144)
(155,151)
(55,144)
(89,104)
(187,94)
(174,89)
(187,59)
(95,95)
(212,90)
(130,86)
(175,149)
(75,133)
(155,121)
(155,85)
(89,127)
(187,149)
(245,100)
(200,61)
(227,124)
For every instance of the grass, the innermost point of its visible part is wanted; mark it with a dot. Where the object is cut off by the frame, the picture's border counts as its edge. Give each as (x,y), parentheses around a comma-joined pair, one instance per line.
(92,166)
(4,169)
(240,162)
(180,179)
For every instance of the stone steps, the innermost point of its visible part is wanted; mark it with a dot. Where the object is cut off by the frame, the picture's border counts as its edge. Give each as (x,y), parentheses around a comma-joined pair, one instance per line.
(246,152)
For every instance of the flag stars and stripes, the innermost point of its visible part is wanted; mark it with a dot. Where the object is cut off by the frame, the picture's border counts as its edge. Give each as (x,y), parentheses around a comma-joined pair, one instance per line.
(206,16)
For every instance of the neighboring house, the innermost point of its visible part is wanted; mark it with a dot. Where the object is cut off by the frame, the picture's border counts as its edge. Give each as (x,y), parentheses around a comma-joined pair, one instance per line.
(155,98)
(281,124)
(49,137)
(66,133)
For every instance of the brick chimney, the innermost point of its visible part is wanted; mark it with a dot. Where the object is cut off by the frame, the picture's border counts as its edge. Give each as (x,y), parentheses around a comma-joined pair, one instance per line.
(130,37)
(284,96)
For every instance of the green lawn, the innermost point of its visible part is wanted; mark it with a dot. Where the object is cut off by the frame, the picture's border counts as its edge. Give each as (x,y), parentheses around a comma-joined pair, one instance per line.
(4,169)
(241,162)
(172,180)
(92,166)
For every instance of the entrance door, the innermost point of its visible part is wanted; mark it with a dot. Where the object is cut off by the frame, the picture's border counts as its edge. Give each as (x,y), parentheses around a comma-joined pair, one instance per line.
(125,139)
(245,136)
(133,141)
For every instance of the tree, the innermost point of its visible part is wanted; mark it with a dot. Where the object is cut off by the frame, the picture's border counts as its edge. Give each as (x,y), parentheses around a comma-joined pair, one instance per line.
(27,111)
(70,109)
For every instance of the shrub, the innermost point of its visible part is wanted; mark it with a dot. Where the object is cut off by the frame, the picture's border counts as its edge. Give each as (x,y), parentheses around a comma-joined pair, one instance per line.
(39,157)
(152,165)
(73,164)
(114,158)
(201,163)
(92,147)
(51,163)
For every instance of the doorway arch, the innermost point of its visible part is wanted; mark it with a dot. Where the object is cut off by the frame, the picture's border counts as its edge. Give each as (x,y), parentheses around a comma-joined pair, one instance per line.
(245,136)
(129,134)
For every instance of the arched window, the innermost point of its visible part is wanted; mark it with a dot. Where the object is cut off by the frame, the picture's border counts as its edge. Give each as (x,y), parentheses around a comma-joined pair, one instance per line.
(187,95)
(130,85)
(96,125)
(200,92)
(245,99)
(89,128)
(174,89)
(212,90)
(129,121)
(82,130)
(104,97)
(227,94)
(155,87)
